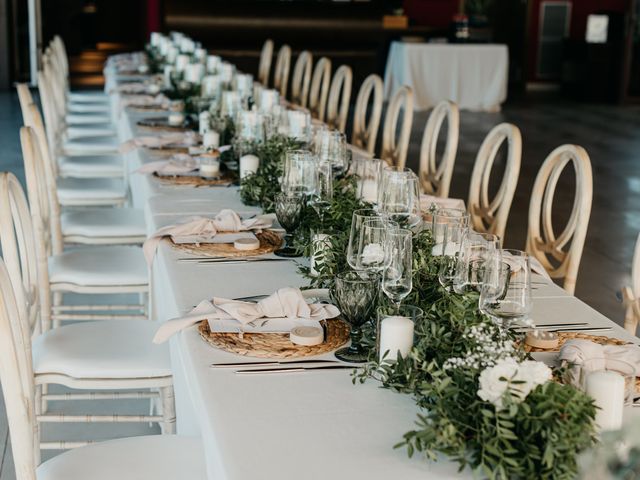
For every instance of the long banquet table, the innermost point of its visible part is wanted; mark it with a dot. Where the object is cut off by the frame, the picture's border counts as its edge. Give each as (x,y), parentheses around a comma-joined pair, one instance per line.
(314,425)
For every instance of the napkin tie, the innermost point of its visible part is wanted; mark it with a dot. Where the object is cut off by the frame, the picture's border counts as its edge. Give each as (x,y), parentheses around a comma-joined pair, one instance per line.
(577,352)
(225,221)
(285,303)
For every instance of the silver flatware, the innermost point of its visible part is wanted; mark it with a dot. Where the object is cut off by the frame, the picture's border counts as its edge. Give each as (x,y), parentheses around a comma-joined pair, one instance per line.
(245,260)
(274,363)
(259,371)
(551,325)
(568,329)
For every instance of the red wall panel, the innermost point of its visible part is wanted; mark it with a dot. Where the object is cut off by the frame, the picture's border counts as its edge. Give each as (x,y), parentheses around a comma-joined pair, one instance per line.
(434,13)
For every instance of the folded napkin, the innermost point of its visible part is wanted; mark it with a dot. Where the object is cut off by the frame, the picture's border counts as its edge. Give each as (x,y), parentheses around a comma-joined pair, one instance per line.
(159,101)
(162,140)
(576,352)
(225,221)
(536,266)
(279,312)
(177,164)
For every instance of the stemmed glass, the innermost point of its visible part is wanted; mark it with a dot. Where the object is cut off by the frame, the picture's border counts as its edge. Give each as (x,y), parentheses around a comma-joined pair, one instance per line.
(449,226)
(288,208)
(357,220)
(372,255)
(250,131)
(321,201)
(505,295)
(399,198)
(301,173)
(397,278)
(296,124)
(355,295)
(475,251)
(331,146)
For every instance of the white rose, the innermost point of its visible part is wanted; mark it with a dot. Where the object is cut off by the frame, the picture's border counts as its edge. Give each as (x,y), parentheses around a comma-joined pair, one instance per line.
(494,381)
(534,372)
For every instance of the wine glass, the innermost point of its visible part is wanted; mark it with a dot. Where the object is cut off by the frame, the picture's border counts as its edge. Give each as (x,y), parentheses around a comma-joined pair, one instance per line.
(475,250)
(355,295)
(301,173)
(357,219)
(267,100)
(331,146)
(451,249)
(399,198)
(372,255)
(505,295)
(321,201)
(288,208)
(244,85)
(250,131)
(397,280)
(368,172)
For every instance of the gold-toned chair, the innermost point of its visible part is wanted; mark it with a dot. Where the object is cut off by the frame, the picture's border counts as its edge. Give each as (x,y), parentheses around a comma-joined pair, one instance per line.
(339,98)
(281,73)
(320,83)
(264,67)
(395,142)
(365,131)
(301,80)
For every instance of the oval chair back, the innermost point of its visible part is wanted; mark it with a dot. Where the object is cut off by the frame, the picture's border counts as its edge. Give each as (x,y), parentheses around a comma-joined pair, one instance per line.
(395,143)
(365,131)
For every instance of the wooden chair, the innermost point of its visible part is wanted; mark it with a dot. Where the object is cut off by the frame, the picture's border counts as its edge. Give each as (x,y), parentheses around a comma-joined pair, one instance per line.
(264,68)
(157,457)
(365,133)
(88,355)
(491,215)
(396,143)
(301,80)
(319,91)
(101,270)
(631,294)
(339,98)
(565,250)
(435,179)
(281,73)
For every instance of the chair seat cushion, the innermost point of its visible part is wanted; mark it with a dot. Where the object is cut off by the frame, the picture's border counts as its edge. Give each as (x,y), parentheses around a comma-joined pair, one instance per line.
(81,191)
(88,97)
(72,119)
(84,107)
(157,457)
(100,266)
(91,166)
(91,146)
(103,349)
(104,222)
(91,130)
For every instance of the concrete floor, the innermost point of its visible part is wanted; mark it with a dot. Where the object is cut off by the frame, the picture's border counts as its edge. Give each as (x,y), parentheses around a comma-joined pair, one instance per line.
(609,134)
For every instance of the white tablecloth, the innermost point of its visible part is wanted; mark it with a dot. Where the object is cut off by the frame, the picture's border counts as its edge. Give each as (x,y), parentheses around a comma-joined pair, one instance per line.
(315,425)
(473,76)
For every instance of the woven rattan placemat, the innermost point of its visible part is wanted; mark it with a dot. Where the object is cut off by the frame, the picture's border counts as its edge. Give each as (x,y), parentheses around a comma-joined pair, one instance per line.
(269,242)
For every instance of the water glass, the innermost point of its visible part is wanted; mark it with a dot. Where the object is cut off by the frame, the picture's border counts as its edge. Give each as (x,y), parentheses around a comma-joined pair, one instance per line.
(357,220)
(288,207)
(331,146)
(296,124)
(475,251)
(301,173)
(355,295)
(267,100)
(230,104)
(250,131)
(395,331)
(399,198)
(372,254)
(505,295)
(397,278)
(368,172)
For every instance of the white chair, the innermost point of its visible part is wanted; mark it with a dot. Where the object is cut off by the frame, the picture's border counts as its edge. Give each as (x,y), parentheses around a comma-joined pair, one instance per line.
(72,191)
(631,293)
(365,132)
(264,68)
(301,79)
(281,72)
(319,91)
(101,270)
(395,142)
(339,98)
(560,254)
(490,215)
(158,457)
(98,226)
(435,178)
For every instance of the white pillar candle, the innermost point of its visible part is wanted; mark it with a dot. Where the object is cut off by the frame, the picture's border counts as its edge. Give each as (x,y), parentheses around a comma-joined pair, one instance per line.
(607,389)
(213,63)
(176,119)
(396,337)
(319,247)
(168,71)
(210,86)
(211,139)
(248,164)
(194,72)
(204,122)
(181,62)
(209,168)
(369,190)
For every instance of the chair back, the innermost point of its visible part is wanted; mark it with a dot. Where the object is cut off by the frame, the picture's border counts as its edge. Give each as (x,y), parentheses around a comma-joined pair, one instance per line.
(319,91)
(25,98)
(281,73)
(301,80)
(395,142)
(435,178)
(264,67)
(365,132)
(339,98)
(490,215)
(631,294)
(16,377)
(560,254)
(51,112)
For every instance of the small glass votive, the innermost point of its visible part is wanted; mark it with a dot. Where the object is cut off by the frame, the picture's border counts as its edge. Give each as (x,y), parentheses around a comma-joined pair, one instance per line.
(209,165)
(395,331)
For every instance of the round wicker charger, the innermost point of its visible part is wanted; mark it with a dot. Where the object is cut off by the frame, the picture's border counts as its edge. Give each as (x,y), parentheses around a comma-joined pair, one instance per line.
(194,180)
(269,242)
(565,336)
(138,107)
(166,151)
(161,125)
(275,345)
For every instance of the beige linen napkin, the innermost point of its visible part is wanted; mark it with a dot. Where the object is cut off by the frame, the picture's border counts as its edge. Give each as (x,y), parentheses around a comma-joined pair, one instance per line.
(144,100)
(163,140)
(427,200)
(577,352)
(177,164)
(225,221)
(279,312)
(536,266)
